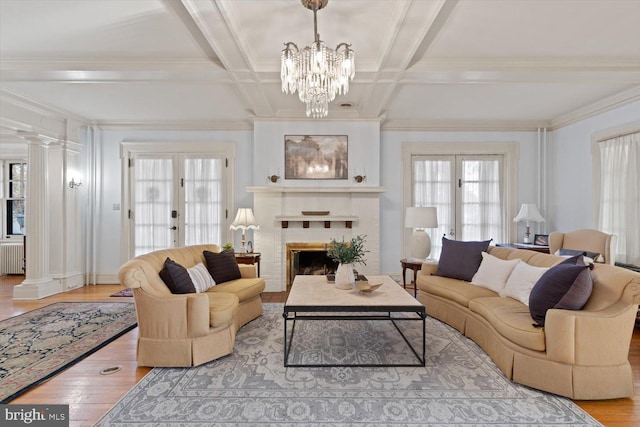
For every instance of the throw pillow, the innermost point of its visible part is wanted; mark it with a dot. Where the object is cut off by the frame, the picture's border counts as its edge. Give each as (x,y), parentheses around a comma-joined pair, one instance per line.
(176,278)
(594,256)
(565,286)
(494,272)
(460,260)
(522,280)
(222,266)
(200,277)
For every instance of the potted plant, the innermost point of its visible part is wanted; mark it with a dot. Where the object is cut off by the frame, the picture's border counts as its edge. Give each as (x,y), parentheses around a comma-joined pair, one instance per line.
(346,254)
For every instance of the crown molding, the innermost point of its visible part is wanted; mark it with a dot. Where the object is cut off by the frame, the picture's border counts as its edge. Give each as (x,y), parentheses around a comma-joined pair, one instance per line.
(598,107)
(195,125)
(40,108)
(527,64)
(464,125)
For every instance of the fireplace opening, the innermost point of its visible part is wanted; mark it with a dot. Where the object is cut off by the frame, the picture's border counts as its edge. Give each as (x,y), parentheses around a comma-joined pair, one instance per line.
(308,259)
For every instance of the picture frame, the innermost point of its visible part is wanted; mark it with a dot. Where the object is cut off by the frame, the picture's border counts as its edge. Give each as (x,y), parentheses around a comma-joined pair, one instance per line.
(541,239)
(316,156)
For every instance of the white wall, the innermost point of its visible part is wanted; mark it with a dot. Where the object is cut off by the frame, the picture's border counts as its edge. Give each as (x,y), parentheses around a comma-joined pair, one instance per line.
(107,238)
(570,168)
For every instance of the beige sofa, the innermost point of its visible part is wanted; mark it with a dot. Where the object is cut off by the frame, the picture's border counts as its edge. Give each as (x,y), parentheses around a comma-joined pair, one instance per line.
(585,240)
(578,354)
(188,329)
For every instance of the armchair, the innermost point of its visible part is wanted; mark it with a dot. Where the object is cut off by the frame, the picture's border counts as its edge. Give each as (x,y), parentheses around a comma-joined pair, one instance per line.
(585,240)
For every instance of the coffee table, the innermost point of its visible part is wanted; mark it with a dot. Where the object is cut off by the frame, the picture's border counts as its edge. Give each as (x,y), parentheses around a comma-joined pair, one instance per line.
(313,298)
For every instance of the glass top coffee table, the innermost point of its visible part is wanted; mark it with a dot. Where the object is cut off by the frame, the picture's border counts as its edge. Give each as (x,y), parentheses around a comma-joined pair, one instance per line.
(313,298)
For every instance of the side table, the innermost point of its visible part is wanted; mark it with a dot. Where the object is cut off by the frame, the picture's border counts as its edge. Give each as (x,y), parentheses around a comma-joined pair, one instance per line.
(249,258)
(415,265)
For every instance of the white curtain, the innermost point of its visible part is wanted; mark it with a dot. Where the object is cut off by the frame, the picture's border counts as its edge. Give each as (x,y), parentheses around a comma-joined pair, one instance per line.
(432,187)
(153,201)
(203,201)
(481,203)
(620,194)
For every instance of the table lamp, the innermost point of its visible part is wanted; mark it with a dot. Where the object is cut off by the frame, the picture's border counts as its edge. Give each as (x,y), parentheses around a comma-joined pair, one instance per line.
(528,212)
(244,220)
(419,218)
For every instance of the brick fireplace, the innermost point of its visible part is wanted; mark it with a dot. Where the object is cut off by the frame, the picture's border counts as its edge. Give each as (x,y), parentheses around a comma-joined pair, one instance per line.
(285,231)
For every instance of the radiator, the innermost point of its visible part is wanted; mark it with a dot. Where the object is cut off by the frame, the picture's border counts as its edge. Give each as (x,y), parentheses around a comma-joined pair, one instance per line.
(11,258)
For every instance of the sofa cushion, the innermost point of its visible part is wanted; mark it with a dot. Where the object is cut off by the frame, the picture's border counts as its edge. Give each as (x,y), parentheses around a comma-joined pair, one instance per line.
(200,277)
(176,278)
(511,319)
(494,272)
(453,289)
(222,266)
(223,309)
(566,286)
(460,260)
(245,288)
(522,279)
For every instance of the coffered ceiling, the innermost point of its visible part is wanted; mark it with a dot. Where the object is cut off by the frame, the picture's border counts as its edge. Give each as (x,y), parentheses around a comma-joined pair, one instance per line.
(420,64)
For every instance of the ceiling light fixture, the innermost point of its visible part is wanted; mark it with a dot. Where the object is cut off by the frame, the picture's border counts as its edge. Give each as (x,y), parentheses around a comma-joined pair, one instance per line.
(317,72)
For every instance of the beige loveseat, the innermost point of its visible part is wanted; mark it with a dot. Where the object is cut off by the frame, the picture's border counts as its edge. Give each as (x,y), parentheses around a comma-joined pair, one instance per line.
(179,330)
(579,354)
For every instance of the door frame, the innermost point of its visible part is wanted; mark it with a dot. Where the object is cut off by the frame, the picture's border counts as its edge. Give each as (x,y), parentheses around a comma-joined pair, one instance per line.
(510,152)
(129,148)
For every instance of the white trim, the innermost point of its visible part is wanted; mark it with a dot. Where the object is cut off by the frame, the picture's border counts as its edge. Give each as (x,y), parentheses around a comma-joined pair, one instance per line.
(598,107)
(185,125)
(510,151)
(463,125)
(596,179)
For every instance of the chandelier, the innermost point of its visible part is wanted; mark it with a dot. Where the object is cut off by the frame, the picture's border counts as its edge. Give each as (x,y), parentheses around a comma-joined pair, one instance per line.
(317,72)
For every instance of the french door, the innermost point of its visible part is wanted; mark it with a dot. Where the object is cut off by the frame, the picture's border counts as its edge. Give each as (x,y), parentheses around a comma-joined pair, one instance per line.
(176,200)
(467,191)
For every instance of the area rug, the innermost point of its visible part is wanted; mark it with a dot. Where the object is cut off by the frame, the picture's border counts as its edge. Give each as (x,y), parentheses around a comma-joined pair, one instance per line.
(37,345)
(460,385)
(127,292)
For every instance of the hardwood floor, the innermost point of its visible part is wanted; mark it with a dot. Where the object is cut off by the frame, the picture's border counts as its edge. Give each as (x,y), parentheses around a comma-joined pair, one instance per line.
(90,395)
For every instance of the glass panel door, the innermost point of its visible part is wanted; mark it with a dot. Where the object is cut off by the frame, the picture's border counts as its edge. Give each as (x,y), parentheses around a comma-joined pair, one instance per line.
(203,200)
(153,201)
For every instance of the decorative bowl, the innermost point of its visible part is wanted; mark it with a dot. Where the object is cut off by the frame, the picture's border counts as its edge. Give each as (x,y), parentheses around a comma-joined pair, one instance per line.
(321,213)
(366,287)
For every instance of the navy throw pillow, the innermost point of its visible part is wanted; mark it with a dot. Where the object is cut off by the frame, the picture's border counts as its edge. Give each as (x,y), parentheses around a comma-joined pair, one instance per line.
(222,266)
(567,286)
(176,278)
(461,260)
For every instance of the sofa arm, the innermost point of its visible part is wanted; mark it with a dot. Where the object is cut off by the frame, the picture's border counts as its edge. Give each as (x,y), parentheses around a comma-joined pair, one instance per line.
(588,337)
(429,268)
(172,316)
(248,271)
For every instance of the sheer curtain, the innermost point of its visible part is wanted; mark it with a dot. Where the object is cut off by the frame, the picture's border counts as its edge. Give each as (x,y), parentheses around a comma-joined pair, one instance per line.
(203,200)
(620,194)
(153,200)
(481,201)
(432,181)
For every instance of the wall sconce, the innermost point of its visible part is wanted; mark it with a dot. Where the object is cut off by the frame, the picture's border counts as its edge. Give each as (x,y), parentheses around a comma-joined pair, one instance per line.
(360,178)
(274,177)
(73,184)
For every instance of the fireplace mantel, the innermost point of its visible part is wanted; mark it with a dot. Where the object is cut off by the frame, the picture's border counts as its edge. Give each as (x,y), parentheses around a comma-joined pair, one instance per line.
(316,189)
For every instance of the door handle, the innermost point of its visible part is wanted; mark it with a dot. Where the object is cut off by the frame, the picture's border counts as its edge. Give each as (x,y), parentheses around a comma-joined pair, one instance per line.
(173,228)
(451,232)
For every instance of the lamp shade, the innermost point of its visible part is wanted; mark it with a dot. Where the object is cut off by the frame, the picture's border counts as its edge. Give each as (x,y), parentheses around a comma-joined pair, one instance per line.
(244,220)
(528,212)
(421,217)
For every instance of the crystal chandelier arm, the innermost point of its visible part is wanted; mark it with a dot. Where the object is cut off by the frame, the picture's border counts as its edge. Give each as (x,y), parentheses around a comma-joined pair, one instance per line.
(287,45)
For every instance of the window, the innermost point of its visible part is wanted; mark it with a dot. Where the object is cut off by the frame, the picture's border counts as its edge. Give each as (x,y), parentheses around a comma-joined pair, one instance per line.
(13,197)
(472,185)
(467,193)
(620,194)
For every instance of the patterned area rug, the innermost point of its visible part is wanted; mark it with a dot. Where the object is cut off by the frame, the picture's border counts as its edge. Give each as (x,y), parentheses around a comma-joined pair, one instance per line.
(37,345)
(459,386)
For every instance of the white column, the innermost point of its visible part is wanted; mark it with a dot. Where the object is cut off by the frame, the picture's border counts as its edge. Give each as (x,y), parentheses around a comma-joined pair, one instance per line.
(38,283)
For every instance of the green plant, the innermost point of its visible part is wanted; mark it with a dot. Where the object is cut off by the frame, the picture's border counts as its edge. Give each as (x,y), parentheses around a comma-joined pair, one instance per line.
(227,246)
(348,252)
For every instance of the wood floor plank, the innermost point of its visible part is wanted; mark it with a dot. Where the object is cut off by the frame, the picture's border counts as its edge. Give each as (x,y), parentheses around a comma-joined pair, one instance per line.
(90,395)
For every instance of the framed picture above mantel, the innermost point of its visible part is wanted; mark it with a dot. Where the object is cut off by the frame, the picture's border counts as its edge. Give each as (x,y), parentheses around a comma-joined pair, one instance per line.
(316,157)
